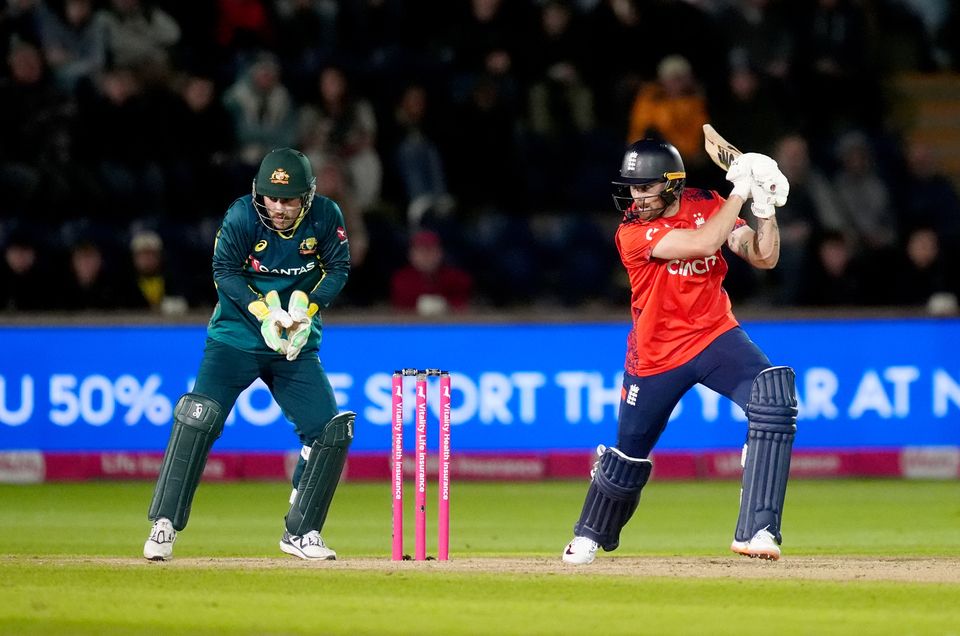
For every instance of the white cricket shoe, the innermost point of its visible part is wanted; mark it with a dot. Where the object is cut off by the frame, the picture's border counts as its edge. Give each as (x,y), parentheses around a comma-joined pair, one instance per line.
(762,546)
(580,551)
(159,546)
(310,546)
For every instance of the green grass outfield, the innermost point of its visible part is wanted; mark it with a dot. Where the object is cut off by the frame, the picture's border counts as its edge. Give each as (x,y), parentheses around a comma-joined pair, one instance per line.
(864,557)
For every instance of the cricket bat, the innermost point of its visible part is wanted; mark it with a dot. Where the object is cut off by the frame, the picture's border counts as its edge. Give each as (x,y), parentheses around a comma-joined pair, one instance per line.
(720,150)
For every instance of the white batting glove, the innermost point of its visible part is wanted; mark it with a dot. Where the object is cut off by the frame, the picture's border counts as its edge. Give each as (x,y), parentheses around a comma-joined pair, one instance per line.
(273,320)
(740,175)
(301,314)
(769,192)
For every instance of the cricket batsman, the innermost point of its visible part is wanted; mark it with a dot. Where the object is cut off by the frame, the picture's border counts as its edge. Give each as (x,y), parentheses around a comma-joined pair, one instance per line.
(280,256)
(684,333)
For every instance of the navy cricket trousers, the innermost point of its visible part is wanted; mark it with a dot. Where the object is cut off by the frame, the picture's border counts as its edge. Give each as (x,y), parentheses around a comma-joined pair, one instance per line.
(728,366)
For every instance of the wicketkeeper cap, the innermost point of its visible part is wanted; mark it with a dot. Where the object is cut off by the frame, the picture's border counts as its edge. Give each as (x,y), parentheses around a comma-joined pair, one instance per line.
(284,173)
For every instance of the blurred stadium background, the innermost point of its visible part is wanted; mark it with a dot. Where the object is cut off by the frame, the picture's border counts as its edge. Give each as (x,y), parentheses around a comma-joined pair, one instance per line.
(486,131)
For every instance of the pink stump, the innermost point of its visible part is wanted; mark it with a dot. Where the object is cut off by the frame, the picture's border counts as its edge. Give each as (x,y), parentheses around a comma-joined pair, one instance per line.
(396,457)
(420,469)
(443,499)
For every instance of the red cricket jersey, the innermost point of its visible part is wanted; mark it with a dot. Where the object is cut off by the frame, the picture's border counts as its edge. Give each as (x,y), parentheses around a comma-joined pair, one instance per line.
(679,306)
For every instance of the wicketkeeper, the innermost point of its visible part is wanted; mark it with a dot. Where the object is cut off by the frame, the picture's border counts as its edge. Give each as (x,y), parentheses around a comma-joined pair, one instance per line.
(280,256)
(684,333)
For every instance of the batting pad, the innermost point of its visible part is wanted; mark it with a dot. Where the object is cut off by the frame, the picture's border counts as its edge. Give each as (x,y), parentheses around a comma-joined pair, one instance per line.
(612,497)
(772,416)
(321,476)
(197,423)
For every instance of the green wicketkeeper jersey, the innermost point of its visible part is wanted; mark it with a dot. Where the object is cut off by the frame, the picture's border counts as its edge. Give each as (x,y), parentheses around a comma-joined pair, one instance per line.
(249,260)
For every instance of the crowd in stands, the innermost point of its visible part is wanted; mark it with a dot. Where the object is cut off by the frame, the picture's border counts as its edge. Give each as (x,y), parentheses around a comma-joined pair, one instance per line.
(470,143)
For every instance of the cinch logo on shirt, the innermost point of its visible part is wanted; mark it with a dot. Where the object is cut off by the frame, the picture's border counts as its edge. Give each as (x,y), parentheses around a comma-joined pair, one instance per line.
(683,267)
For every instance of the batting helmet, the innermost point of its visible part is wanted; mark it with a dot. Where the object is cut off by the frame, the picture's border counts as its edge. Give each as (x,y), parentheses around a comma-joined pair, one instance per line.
(648,161)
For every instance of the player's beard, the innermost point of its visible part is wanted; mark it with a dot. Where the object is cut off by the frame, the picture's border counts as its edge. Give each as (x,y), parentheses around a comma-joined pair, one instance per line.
(647,212)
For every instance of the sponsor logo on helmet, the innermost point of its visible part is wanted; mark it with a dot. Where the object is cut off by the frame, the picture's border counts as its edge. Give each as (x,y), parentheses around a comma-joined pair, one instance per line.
(260,246)
(632,161)
(280,176)
(685,267)
(308,246)
(342,235)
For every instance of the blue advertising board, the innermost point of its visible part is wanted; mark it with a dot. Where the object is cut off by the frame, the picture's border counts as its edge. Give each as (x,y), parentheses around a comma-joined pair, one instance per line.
(876,383)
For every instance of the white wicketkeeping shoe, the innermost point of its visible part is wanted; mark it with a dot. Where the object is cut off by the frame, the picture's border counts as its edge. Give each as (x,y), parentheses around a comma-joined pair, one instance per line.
(762,546)
(580,551)
(159,546)
(309,546)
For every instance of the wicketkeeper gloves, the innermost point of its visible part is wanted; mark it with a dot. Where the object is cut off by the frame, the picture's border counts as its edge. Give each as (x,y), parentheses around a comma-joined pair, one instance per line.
(301,312)
(273,320)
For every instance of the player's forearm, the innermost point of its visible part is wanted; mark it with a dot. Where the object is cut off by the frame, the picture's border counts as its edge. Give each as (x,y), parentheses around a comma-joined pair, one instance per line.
(329,287)
(718,227)
(766,243)
(234,286)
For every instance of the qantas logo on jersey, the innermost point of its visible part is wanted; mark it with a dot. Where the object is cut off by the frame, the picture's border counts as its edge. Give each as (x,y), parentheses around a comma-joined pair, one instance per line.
(283,271)
(684,267)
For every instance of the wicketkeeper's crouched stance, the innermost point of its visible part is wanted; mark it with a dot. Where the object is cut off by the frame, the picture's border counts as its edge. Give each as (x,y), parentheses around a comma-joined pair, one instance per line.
(281,246)
(684,333)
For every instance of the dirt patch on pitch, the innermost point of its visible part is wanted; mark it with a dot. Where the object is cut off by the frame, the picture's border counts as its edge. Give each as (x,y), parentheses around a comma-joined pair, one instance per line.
(916,570)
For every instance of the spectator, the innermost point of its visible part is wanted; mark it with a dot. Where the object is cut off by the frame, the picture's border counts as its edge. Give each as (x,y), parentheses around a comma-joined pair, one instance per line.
(928,198)
(418,159)
(833,55)
(37,117)
(752,110)
(90,284)
(74,42)
(921,277)
(760,33)
(673,108)
(202,140)
(139,34)
(306,37)
(25,283)
(121,141)
(428,285)
(561,113)
(262,109)
(811,209)
(342,126)
(159,289)
(870,219)
(837,276)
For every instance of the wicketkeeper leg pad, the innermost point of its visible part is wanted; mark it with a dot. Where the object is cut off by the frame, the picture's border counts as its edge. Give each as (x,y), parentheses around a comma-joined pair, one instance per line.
(197,423)
(321,476)
(612,497)
(772,425)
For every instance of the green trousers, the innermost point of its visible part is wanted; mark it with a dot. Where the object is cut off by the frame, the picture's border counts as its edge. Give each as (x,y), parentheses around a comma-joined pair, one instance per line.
(300,387)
